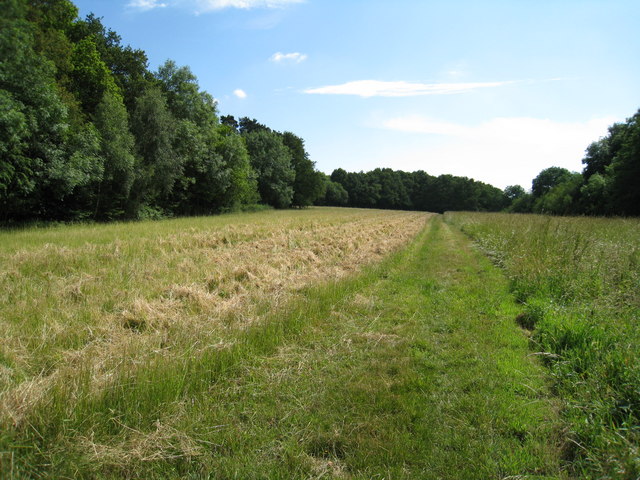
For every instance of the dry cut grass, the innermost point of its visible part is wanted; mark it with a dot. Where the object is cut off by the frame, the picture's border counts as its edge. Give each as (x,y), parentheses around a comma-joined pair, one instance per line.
(84,305)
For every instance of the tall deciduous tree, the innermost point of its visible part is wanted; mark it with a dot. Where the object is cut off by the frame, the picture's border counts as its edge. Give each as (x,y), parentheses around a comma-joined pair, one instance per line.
(308,183)
(241,186)
(547,179)
(249,125)
(72,185)
(561,198)
(184,98)
(32,117)
(127,65)
(271,160)
(90,77)
(117,149)
(513,192)
(53,19)
(154,129)
(625,169)
(334,193)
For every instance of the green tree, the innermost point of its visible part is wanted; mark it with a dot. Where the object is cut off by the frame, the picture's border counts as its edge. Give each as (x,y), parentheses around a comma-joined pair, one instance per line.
(595,195)
(230,121)
(547,179)
(32,117)
(491,199)
(90,77)
(392,192)
(523,204)
(217,175)
(117,148)
(242,185)
(201,182)
(363,191)
(271,160)
(184,98)
(128,66)
(561,198)
(514,192)
(339,175)
(625,169)
(159,166)
(249,125)
(421,192)
(335,194)
(53,20)
(70,189)
(308,183)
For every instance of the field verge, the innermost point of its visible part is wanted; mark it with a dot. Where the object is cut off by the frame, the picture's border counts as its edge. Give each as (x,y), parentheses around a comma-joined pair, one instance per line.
(578,280)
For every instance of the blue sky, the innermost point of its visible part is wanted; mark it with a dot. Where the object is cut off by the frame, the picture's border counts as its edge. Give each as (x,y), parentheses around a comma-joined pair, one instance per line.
(493,90)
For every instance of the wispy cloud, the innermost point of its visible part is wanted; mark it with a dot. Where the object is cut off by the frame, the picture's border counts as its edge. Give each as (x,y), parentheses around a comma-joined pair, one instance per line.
(209,5)
(145,5)
(294,57)
(515,130)
(203,6)
(240,93)
(377,88)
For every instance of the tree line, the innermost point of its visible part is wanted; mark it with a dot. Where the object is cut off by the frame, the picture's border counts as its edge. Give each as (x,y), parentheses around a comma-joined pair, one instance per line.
(395,189)
(609,184)
(88,131)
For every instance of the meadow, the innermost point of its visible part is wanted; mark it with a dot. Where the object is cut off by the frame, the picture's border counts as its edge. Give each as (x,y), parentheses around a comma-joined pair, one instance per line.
(316,343)
(321,343)
(578,281)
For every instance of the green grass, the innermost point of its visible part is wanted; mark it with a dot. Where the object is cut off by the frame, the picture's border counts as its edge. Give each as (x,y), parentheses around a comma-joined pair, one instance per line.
(578,280)
(411,368)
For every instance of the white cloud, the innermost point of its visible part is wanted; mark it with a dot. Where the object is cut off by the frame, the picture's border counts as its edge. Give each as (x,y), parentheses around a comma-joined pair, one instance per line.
(202,6)
(500,151)
(240,93)
(145,5)
(377,88)
(208,5)
(294,57)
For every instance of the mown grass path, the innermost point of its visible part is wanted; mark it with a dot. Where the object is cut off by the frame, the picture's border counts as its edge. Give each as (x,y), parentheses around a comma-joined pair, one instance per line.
(415,370)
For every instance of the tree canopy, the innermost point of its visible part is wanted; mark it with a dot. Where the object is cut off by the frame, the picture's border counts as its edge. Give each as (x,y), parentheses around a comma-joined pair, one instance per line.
(87,131)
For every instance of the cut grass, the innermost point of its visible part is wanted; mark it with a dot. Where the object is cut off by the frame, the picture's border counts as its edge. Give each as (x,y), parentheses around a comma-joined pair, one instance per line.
(413,368)
(82,306)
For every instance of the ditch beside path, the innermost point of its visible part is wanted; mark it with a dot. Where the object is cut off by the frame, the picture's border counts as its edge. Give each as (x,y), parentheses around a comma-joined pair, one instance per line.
(419,372)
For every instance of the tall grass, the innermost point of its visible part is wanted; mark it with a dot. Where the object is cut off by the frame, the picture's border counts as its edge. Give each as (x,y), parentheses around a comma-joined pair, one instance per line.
(578,280)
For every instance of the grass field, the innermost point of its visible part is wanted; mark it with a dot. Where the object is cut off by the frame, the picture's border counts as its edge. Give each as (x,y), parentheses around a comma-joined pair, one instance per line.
(323,343)
(578,280)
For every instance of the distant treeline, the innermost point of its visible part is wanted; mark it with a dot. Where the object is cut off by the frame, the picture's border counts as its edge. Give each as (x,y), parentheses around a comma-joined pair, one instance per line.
(87,131)
(395,189)
(608,185)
